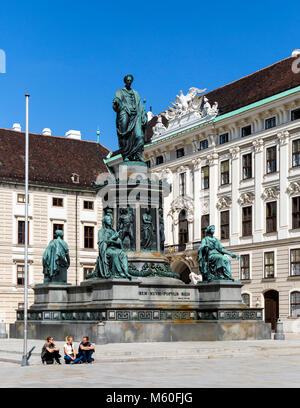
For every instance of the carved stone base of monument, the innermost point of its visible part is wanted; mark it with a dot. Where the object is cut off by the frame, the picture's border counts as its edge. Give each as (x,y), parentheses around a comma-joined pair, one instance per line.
(150,309)
(220,294)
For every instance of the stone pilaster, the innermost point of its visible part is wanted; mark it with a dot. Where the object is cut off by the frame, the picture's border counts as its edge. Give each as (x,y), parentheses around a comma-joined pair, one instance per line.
(284,207)
(259,211)
(235,208)
(197,198)
(213,191)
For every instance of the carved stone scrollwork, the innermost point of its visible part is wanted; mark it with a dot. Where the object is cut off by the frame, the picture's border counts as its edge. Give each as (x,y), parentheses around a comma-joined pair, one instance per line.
(179,204)
(205,207)
(283,137)
(270,193)
(212,159)
(197,164)
(182,169)
(234,152)
(224,203)
(293,188)
(246,198)
(258,145)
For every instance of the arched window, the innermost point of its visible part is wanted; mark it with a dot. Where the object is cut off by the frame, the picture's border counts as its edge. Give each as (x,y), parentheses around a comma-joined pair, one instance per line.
(295,304)
(246,299)
(183,228)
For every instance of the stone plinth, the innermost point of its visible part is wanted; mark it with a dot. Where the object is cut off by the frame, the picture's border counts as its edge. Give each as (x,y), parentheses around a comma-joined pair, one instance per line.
(220,294)
(144,309)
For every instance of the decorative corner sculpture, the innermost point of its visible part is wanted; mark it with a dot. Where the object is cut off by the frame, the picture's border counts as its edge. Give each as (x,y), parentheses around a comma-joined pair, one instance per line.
(56,260)
(213,264)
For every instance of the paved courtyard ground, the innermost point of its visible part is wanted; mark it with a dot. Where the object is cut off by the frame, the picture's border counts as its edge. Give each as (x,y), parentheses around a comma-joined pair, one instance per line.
(266,363)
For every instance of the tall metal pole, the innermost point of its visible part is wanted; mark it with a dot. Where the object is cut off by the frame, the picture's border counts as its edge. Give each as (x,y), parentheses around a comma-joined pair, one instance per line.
(24,358)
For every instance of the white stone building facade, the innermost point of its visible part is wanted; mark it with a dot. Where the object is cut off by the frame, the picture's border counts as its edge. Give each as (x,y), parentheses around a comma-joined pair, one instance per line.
(240,171)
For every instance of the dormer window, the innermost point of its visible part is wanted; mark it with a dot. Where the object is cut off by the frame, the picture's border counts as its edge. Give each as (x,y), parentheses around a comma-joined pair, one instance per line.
(75,178)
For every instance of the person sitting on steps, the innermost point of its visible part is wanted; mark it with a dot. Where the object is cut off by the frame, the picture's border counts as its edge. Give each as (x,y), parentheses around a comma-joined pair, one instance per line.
(50,352)
(86,349)
(70,353)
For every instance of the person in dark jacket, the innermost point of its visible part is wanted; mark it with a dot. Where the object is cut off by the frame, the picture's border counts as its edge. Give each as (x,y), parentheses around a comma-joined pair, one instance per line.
(50,352)
(86,349)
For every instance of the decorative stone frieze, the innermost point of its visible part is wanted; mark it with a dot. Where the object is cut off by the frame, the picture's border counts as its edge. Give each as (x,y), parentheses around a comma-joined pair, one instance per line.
(246,198)
(224,203)
(270,193)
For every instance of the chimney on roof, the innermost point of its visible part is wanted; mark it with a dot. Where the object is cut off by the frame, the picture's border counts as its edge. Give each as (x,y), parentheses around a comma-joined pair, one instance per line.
(73,134)
(17,127)
(46,132)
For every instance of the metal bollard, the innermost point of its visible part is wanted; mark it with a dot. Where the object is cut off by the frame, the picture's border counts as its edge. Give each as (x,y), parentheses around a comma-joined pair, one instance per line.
(279,333)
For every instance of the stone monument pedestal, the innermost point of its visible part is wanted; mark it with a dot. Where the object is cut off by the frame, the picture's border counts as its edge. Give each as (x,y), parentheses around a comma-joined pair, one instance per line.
(142,310)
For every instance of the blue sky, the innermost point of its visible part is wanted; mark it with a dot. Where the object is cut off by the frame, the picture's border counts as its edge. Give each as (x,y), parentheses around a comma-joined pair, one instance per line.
(71,56)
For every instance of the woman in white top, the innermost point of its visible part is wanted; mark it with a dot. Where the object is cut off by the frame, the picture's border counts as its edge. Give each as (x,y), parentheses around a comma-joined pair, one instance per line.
(70,353)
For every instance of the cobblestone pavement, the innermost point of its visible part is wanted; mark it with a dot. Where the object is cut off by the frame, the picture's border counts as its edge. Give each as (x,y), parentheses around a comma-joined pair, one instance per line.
(265,363)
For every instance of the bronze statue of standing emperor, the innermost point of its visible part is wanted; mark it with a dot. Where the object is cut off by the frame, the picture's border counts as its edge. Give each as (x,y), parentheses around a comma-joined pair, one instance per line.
(131,121)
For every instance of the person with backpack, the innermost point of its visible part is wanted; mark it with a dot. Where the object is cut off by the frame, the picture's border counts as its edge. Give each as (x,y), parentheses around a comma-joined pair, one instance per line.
(50,352)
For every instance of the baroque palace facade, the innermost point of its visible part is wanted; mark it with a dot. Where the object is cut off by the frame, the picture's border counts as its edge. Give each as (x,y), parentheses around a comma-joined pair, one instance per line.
(232,157)
(61,173)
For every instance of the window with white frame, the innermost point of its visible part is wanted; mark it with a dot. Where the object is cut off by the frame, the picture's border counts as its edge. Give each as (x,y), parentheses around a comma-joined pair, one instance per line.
(21,198)
(246,130)
(245,267)
(270,122)
(295,262)
(224,138)
(20,274)
(182,184)
(224,172)
(247,166)
(295,303)
(296,153)
(271,155)
(205,177)
(269,264)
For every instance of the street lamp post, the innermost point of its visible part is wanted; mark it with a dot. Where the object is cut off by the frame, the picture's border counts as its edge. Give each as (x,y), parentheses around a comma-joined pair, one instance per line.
(25,357)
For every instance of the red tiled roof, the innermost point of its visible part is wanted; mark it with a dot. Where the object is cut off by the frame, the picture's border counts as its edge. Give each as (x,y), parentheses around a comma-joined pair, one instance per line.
(261,84)
(52,160)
